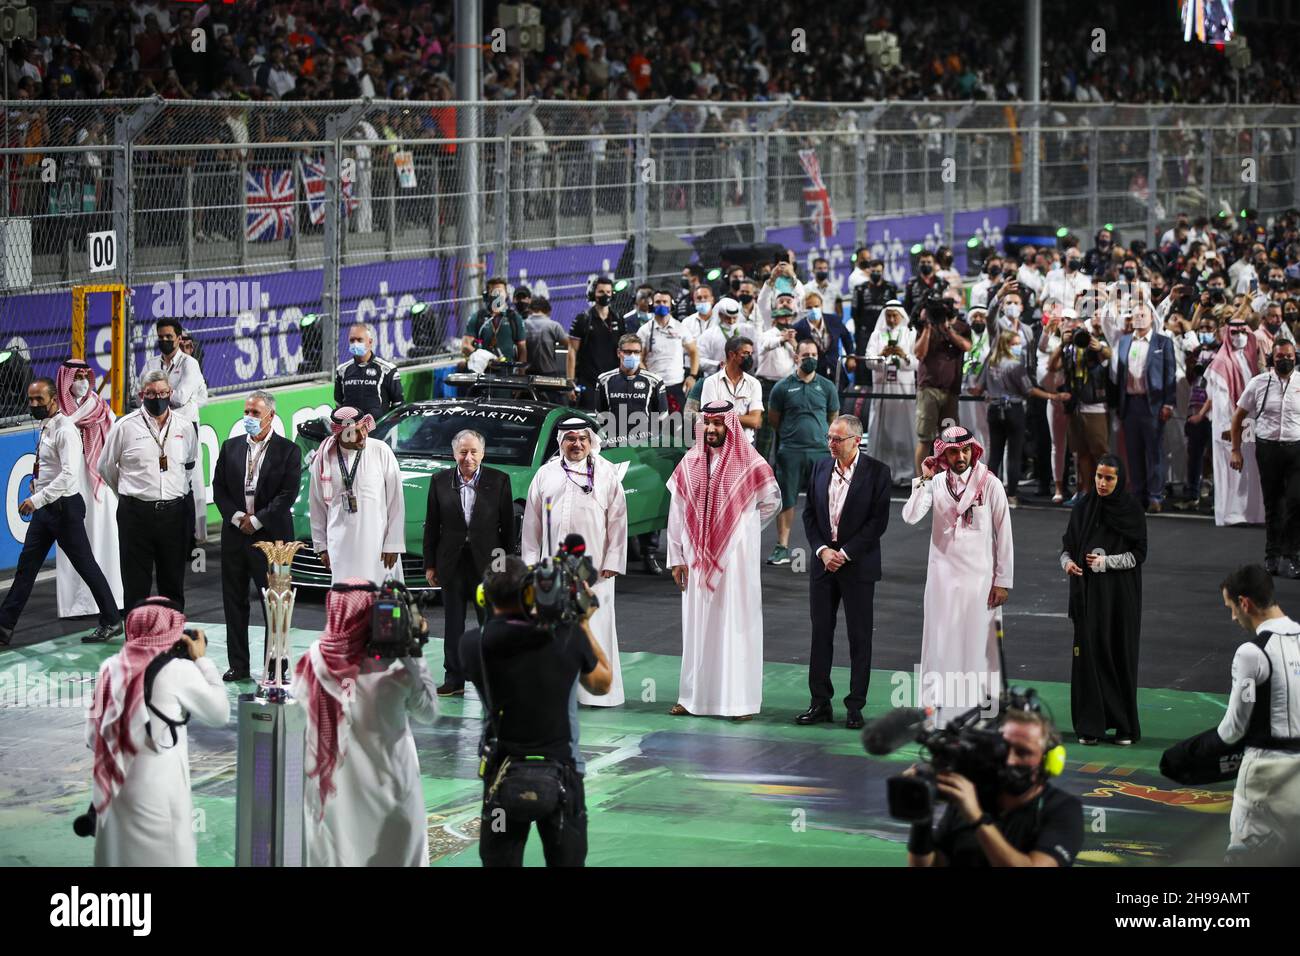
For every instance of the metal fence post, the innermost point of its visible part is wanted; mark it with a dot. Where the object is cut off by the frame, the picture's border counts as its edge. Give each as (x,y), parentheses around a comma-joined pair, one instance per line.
(645,122)
(1258,157)
(506,125)
(1153,170)
(1207,171)
(126,127)
(337,126)
(188,258)
(1295,166)
(766,120)
(953,120)
(863,124)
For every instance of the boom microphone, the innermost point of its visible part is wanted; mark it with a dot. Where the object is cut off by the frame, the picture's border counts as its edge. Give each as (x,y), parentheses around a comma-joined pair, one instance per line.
(886,734)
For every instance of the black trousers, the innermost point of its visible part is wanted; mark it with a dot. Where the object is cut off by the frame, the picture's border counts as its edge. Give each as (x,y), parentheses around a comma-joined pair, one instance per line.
(460,590)
(241,565)
(62,521)
(1279,479)
(1037,412)
(826,593)
(153,541)
(1007,433)
(563,834)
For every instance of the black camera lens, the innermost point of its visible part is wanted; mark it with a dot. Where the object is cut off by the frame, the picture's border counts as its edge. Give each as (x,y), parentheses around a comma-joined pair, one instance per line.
(1081,338)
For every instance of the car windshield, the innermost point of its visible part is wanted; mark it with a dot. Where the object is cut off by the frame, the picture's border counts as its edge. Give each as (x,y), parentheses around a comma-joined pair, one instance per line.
(427,431)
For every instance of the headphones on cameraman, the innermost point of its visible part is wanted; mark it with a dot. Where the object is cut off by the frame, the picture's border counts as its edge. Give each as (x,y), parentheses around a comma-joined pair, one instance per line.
(1053,763)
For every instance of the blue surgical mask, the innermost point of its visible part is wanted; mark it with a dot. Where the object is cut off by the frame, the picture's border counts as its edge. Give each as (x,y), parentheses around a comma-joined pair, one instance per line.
(703,308)
(814,315)
(1017,350)
(630,362)
(1207,338)
(662,310)
(358,349)
(252,425)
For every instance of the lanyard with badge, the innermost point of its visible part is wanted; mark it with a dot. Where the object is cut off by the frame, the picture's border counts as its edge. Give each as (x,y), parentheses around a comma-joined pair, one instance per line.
(349,496)
(161,443)
(255,456)
(891,370)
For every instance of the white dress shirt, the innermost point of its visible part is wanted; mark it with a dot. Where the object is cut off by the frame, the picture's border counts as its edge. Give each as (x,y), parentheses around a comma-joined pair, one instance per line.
(1137,363)
(468,492)
(59,461)
(747,396)
(713,343)
(130,460)
(186,380)
(252,471)
(665,349)
(1275,406)
(841,478)
(776,356)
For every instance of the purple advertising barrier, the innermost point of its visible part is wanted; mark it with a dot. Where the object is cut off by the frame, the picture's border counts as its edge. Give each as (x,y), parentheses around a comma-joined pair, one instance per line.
(249,328)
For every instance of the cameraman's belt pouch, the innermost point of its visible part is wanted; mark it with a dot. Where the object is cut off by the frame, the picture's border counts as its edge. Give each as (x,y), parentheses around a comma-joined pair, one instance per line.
(527,789)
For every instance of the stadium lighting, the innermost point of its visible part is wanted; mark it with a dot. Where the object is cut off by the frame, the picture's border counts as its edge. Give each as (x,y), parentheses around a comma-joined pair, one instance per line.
(308,320)
(713,275)
(1242,214)
(1062,232)
(1109,227)
(419,309)
(620,285)
(918,248)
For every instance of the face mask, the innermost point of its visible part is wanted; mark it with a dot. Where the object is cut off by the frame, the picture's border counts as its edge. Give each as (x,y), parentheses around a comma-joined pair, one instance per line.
(1207,338)
(1129,274)
(252,425)
(80,387)
(166,346)
(1239,340)
(814,315)
(1273,325)
(744,298)
(735,284)
(703,308)
(630,362)
(602,299)
(823,275)
(1018,780)
(926,268)
(642,315)
(498,302)
(156,406)
(977,328)
(357,349)
(1284,367)
(747,363)
(686,283)
(1011,310)
(995,271)
(877,277)
(662,310)
(808,365)
(40,412)
(1017,350)
(1071,265)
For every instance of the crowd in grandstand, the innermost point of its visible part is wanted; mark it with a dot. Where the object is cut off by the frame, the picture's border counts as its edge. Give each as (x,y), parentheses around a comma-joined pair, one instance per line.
(705,49)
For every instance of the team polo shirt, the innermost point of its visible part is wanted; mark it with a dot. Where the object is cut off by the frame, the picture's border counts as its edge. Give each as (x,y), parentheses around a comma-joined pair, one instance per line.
(804,408)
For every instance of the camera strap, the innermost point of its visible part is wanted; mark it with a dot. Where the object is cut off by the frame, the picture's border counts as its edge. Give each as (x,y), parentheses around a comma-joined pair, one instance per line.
(150,673)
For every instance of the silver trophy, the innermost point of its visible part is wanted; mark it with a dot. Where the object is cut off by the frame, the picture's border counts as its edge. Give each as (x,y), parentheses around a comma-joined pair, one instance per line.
(278,596)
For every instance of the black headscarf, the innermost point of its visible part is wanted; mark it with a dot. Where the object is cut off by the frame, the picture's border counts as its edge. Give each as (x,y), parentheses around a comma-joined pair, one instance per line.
(1115,523)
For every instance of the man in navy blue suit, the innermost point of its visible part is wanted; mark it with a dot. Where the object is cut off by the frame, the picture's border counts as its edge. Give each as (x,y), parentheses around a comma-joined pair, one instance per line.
(1146,375)
(846,513)
(826,329)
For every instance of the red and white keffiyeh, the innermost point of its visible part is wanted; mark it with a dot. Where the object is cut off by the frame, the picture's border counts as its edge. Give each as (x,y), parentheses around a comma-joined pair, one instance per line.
(116,728)
(1226,366)
(718,486)
(342,419)
(324,680)
(955,436)
(90,414)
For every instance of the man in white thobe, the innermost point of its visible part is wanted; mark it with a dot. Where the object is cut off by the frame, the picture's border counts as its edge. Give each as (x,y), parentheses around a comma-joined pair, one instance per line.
(1238,495)
(358,513)
(892,432)
(189,392)
(78,400)
(579,492)
(723,493)
(968,576)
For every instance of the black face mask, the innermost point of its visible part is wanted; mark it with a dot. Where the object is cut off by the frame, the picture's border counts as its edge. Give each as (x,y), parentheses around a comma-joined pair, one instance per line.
(1018,780)
(40,412)
(977,328)
(167,346)
(735,284)
(744,298)
(686,283)
(1284,366)
(822,275)
(926,268)
(602,299)
(1292,316)
(1129,274)
(995,271)
(877,277)
(1071,265)
(156,406)
(747,364)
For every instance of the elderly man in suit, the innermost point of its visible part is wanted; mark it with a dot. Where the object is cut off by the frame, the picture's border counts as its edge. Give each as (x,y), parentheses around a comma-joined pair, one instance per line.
(470,520)
(1144,368)
(256,482)
(844,518)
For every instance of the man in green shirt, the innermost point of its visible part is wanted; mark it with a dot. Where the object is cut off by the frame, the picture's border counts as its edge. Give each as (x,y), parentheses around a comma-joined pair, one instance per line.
(802,405)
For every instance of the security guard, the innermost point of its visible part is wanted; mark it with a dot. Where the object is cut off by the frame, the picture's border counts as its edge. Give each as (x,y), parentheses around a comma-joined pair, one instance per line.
(367,382)
(629,396)
(868,299)
(147,461)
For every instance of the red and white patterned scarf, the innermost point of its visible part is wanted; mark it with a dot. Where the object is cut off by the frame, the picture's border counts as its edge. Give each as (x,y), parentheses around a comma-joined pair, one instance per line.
(90,414)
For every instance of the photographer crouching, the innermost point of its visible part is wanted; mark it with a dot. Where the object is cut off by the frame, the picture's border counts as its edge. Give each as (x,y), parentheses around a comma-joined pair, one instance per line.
(141,811)
(993,774)
(525,664)
(361,683)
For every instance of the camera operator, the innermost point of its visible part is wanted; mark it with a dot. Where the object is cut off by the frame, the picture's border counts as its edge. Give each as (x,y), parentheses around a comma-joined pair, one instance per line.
(1031,823)
(924,285)
(941,342)
(527,676)
(141,806)
(1084,357)
(364,803)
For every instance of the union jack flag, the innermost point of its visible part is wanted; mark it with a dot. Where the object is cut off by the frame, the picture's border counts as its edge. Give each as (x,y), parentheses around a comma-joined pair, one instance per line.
(268,194)
(818,196)
(315,188)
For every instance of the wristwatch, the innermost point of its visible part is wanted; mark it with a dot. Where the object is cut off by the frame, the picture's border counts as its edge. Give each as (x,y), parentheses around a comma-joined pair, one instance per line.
(986,818)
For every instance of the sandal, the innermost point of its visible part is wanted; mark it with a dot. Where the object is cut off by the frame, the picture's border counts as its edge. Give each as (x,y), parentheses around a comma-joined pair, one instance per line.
(680,711)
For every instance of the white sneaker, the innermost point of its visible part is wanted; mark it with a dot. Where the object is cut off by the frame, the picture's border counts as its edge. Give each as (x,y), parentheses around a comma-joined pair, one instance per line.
(1013,502)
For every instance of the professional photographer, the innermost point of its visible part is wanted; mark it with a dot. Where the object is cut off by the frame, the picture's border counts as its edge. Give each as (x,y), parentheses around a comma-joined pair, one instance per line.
(525,672)
(1084,357)
(141,808)
(942,339)
(364,803)
(1024,821)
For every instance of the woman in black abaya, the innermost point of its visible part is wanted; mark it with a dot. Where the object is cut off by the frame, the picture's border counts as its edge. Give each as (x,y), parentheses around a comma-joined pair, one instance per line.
(1104,548)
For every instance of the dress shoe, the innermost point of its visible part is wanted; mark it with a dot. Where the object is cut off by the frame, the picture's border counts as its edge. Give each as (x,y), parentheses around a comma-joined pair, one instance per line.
(105,632)
(1124,741)
(741,718)
(451,690)
(855,721)
(652,565)
(232,677)
(1154,508)
(1087,741)
(1270,565)
(816,714)
(6,635)
(1287,568)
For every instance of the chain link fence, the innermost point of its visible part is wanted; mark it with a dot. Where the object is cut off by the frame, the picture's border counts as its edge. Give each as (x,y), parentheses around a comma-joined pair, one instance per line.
(268,228)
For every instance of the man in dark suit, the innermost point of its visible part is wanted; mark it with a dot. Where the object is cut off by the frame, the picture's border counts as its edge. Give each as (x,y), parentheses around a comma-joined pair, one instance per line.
(470,520)
(1146,376)
(845,516)
(256,482)
(832,338)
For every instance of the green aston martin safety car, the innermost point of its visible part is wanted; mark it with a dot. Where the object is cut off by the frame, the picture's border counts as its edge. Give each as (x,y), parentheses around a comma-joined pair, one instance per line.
(521,434)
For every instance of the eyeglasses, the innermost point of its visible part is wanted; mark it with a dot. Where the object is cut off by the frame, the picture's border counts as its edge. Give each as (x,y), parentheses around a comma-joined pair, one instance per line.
(835,439)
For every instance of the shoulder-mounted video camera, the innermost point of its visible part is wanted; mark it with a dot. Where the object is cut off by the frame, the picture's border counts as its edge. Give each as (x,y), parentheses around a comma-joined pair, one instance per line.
(554,588)
(397,628)
(932,309)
